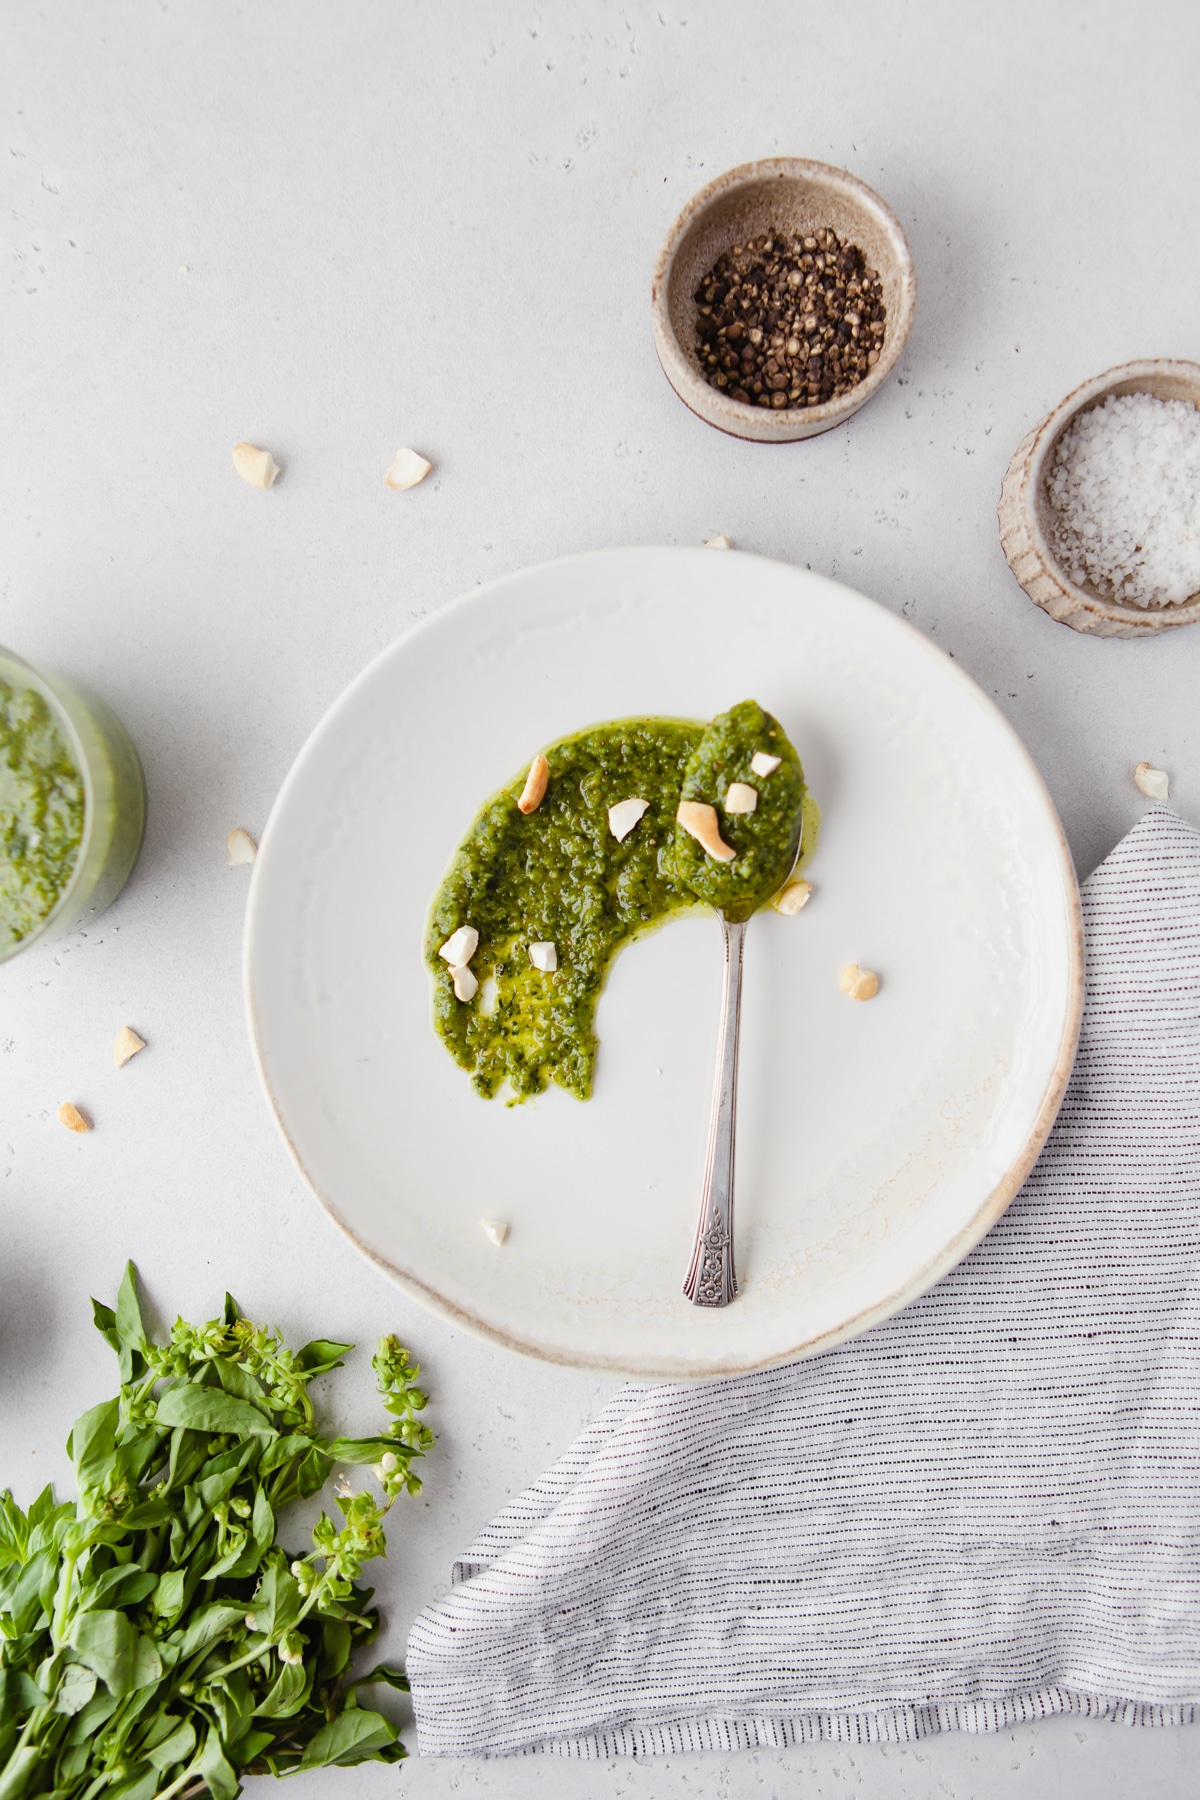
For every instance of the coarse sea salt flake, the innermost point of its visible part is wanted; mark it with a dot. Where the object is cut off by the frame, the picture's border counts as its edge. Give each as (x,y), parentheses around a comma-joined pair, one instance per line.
(1124,492)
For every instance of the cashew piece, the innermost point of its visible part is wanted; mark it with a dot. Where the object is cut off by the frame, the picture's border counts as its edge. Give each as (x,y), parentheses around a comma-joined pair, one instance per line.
(791,898)
(860,984)
(1154,783)
(534,790)
(699,820)
(127,1044)
(255,466)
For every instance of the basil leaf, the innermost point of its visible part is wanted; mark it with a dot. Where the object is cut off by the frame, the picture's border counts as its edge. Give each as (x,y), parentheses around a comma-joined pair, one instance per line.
(278,1601)
(211,1410)
(395,1678)
(282,1451)
(362,1450)
(139,1786)
(336,1645)
(23,1597)
(126,1585)
(92,1445)
(131,1330)
(321,1355)
(19,1694)
(260,1539)
(98,1711)
(243,1386)
(176,1748)
(207,1625)
(353,1737)
(43,1508)
(75,1689)
(287,1694)
(105,1321)
(17,1778)
(223,1784)
(223,1480)
(109,1643)
(14,1531)
(169,1594)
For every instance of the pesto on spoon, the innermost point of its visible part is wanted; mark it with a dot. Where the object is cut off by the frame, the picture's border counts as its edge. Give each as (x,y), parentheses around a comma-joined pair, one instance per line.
(738,832)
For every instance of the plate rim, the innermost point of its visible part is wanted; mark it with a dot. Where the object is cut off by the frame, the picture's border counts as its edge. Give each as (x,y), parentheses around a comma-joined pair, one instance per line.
(976,1228)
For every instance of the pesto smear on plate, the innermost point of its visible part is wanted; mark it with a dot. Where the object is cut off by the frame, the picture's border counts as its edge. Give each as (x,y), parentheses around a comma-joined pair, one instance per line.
(41,813)
(560,876)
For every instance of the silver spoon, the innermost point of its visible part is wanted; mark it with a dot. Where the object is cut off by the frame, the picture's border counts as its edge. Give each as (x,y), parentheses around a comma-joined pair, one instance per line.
(735,878)
(711,1278)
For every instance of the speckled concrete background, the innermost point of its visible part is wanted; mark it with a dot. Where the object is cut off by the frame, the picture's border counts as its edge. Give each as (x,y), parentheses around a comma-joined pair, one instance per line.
(335,229)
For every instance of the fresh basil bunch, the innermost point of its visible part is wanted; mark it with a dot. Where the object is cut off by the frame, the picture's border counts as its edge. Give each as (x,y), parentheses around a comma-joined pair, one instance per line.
(157,1641)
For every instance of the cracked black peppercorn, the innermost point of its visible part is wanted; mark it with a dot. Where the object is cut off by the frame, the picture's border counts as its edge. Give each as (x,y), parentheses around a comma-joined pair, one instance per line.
(789,320)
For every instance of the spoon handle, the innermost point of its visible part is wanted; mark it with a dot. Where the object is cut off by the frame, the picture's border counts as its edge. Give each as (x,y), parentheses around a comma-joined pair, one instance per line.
(711,1280)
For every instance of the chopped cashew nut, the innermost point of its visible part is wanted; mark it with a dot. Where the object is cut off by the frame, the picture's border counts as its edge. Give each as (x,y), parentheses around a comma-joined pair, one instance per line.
(465,984)
(240,847)
(860,984)
(258,467)
(460,946)
(72,1118)
(741,797)
(790,899)
(700,821)
(624,816)
(1153,782)
(720,542)
(127,1044)
(535,785)
(762,764)
(408,470)
(495,1229)
(544,957)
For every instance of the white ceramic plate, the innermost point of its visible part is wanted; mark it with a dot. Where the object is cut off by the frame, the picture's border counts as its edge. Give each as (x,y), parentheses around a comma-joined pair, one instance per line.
(877,1142)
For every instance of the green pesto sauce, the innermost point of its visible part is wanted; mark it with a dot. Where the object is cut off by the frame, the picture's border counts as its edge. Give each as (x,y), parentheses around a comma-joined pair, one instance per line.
(766,840)
(558,875)
(41,813)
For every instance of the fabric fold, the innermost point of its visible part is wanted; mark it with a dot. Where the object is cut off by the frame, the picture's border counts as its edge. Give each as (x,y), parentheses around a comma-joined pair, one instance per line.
(984,1511)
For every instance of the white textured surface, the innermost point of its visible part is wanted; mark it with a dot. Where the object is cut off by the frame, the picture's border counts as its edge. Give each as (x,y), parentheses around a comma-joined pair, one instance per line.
(399,231)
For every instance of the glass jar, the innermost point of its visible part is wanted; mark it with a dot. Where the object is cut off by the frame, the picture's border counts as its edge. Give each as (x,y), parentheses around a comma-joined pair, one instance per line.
(114,802)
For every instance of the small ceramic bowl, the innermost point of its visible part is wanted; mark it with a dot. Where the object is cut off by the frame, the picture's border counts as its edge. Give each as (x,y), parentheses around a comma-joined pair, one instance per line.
(1025,514)
(783,193)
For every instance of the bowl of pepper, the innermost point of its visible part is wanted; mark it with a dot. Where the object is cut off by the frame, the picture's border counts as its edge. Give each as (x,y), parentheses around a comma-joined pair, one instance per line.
(782,299)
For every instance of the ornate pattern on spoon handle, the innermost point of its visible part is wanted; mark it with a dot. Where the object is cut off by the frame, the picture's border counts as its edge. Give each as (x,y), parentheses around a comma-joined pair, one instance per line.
(711,1278)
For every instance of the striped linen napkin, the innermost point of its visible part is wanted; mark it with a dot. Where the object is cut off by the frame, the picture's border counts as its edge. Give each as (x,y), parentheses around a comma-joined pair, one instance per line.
(984,1511)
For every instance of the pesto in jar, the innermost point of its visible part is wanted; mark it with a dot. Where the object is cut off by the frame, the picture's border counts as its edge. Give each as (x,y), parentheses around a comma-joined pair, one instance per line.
(558,875)
(41,813)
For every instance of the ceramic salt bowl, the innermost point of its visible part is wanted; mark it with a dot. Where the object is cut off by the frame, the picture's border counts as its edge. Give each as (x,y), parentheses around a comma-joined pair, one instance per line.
(787,194)
(1025,514)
